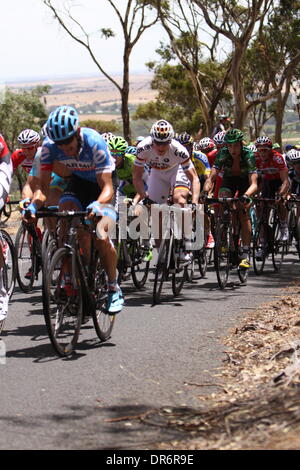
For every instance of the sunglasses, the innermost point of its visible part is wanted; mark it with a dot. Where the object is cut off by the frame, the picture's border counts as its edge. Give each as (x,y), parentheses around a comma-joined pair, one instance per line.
(66,141)
(117,154)
(161,143)
(32,147)
(263,149)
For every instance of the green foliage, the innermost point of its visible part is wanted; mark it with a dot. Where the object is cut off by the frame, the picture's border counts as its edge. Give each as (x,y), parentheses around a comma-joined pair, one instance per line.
(102,126)
(22,110)
(176,100)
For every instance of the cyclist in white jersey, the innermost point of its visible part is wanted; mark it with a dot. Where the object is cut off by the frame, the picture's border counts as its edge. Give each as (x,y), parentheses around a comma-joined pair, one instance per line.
(170,165)
(169,161)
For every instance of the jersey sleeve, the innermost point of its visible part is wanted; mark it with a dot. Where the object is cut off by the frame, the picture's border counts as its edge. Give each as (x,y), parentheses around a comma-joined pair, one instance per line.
(101,155)
(5,171)
(17,157)
(47,157)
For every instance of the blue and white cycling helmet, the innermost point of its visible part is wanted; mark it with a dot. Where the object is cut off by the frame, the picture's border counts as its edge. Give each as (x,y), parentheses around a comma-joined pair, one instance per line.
(62,123)
(293,156)
(131,149)
(218,138)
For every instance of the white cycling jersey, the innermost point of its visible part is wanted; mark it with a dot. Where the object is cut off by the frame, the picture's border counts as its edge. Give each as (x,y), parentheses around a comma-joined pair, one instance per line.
(167,170)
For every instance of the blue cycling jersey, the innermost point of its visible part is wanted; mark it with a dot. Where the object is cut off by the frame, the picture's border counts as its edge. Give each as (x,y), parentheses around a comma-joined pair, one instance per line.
(94,156)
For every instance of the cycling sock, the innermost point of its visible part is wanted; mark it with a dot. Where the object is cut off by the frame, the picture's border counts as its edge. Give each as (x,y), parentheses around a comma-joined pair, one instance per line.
(113,285)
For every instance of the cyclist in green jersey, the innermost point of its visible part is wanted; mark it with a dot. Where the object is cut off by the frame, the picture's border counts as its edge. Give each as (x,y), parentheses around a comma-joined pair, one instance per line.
(240,177)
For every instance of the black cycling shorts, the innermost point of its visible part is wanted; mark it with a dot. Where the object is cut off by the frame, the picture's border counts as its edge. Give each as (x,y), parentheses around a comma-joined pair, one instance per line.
(270,188)
(234,184)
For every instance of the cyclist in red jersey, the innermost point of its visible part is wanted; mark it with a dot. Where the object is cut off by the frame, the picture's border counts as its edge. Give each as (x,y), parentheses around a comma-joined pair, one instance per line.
(275,183)
(207,146)
(5,181)
(29,141)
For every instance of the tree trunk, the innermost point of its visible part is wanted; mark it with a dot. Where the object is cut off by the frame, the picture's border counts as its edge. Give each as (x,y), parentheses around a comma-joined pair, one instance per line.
(125,96)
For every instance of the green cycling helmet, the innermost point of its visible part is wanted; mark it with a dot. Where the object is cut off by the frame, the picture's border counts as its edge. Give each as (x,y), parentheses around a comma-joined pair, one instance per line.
(117,144)
(233,135)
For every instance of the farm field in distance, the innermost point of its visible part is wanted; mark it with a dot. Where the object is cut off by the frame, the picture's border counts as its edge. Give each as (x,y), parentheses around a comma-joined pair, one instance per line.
(94,97)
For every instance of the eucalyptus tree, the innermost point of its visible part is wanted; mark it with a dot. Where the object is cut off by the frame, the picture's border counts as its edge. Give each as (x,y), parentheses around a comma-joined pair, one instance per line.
(134,17)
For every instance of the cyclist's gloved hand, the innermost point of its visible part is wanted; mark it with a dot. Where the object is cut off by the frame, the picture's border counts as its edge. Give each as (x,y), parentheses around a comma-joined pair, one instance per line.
(24,203)
(30,210)
(203,196)
(246,199)
(101,211)
(278,197)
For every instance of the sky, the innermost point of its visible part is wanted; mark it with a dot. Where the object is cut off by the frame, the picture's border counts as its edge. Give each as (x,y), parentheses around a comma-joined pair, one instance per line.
(34,46)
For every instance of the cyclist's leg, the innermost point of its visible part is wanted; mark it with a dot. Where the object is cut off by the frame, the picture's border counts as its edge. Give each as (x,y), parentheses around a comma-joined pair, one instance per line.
(4,297)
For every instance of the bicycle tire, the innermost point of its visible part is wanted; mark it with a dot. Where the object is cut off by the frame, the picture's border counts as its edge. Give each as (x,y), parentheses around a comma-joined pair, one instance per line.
(202,261)
(278,247)
(103,322)
(258,249)
(161,271)
(62,312)
(179,276)
(10,263)
(140,266)
(25,247)
(221,254)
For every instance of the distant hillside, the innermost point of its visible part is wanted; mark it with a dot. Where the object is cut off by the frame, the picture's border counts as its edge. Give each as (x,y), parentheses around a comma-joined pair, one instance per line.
(94,96)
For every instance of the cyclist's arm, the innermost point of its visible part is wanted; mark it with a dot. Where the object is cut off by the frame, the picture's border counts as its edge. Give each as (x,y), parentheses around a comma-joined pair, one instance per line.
(31,185)
(208,185)
(104,181)
(285,182)
(253,185)
(193,177)
(41,193)
(137,179)
(61,170)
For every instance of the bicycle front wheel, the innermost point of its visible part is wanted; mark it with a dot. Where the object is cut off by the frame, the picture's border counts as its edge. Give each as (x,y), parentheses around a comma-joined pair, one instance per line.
(221,254)
(279,247)
(63,304)
(140,264)
(259,248)
(103,322)
(10,262)
(25,247)
(161,271)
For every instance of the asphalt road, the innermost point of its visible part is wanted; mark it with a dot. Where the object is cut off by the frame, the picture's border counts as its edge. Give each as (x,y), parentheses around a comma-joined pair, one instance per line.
(155,353)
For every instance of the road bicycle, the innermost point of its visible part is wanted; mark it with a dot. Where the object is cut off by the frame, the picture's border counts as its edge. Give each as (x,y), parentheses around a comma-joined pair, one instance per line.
(267,240)
(169,262)
(292,205)
(227,235)
(28,255)
(134,255)
(67,303)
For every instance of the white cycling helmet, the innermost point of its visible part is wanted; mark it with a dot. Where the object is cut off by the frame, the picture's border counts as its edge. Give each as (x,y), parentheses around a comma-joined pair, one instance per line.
(29,137)
(107,136)
(219,138)
(162,131)
(293,156)
(206,144)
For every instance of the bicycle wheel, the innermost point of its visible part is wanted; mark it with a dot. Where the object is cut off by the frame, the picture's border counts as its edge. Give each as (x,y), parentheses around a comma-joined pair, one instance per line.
(10,262)
(103,322)
(202,261)
(179,268)
(221,254)
(161,271)
(140,264)
(259,249)
(121,264)
(25,246)
(48,253)
(279,246)
(62,306)
(190,269)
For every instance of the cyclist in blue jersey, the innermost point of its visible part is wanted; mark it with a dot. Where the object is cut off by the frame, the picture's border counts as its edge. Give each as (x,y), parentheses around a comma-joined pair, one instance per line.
(85,153)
